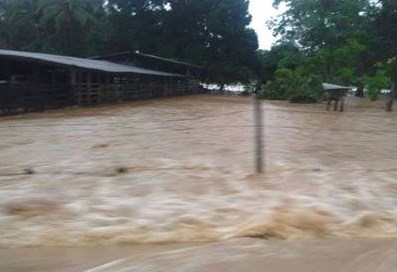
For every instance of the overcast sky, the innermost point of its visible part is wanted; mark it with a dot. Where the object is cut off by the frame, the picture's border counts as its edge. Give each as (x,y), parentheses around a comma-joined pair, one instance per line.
(262,10)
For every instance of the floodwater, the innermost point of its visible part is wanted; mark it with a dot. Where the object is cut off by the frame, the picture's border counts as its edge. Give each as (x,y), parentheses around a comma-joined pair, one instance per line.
(182,170)
(258,256)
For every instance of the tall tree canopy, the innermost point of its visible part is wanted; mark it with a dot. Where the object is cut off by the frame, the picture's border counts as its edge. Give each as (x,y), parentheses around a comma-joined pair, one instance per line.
(333,29)
(212,33)
(69,24)
(386,34)
(350,42)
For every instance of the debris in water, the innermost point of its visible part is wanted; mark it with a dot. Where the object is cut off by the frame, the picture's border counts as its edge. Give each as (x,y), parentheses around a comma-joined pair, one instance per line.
(122,170)
(29,171)
(98,146)
(31,207)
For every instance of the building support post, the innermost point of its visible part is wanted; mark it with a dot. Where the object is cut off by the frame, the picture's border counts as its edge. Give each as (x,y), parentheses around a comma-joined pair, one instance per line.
(89,90)
(342,104)
(336,106)
(73,88)
(390,99)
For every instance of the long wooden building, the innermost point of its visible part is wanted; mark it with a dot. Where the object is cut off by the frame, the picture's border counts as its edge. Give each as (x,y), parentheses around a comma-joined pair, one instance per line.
(35,81)
(192,72)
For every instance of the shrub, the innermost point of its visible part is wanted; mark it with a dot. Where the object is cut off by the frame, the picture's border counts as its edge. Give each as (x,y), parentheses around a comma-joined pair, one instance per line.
(376,83)
(288,84)
(373,93)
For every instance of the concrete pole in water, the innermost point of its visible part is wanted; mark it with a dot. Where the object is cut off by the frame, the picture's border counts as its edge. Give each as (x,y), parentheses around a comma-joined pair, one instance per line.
(258,111)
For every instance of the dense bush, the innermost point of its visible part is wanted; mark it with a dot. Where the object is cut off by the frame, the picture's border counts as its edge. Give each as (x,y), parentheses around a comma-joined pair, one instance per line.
(280,87)
(376,83)
(373,94)
(294,86)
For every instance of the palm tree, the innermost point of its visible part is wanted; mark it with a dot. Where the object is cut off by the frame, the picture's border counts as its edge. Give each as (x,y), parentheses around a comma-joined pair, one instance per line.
(2,24)
(24,17)
(69,21)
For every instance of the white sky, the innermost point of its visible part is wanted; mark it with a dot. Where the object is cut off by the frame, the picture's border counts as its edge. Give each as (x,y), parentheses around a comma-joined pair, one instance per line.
(261,11)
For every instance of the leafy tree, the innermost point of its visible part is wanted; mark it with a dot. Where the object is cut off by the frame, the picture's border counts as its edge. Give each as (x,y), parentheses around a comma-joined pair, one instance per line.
(319,23)
(136,24)
(3,33)
(293,85)
(333,34)
(385,27)
(282,55)
(386,35)
(230,46)
(280,87)
(376,83)
(213,33)
(384,45)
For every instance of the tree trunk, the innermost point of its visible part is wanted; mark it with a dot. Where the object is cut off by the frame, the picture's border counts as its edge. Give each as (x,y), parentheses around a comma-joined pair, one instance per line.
(222,88)
(342,104)
(360,90)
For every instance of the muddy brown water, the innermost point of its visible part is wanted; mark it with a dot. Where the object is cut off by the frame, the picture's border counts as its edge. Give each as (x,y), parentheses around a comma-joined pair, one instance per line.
(257,256)
(181,170)
(236,255)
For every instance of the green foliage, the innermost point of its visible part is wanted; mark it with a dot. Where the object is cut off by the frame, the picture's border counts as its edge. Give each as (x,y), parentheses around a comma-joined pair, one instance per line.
(282,55)
(289,84)
(373,93)
(336,38)
(280,87)
(212,33)
(385,30)
(54,26)
(317,23)
(343,42)
(376,83)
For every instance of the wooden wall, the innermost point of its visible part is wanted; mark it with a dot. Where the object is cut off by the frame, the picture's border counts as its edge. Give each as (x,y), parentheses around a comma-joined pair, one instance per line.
(88,88)
(21,97)
(93,88)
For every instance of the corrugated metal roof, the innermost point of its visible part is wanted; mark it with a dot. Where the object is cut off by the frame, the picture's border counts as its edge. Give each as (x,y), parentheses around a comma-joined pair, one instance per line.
(329,87)
(98,65)
(149,56)
(167,60)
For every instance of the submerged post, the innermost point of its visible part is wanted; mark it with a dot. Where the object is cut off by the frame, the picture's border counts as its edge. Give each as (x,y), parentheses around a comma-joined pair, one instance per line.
(258,111)
(390,99)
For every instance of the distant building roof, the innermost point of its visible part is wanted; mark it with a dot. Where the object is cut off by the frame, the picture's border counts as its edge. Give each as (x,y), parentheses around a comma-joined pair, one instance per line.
(167,60)
(98,65)
(330,87)
(150,57)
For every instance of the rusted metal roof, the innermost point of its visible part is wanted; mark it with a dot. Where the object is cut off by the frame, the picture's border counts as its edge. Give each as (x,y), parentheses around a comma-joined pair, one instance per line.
(81,63)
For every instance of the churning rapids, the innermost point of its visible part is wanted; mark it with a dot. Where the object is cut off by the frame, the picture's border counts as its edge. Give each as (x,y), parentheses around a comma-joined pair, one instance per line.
(181,169)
